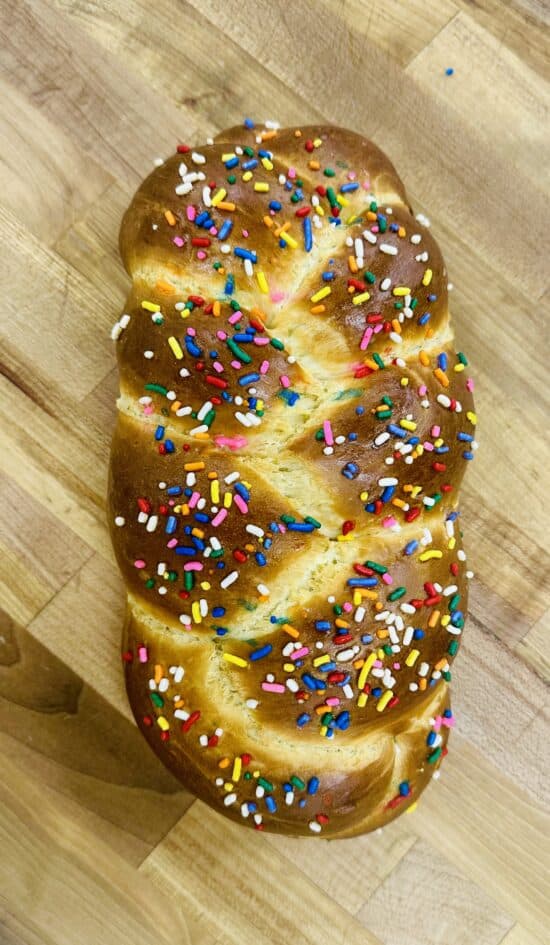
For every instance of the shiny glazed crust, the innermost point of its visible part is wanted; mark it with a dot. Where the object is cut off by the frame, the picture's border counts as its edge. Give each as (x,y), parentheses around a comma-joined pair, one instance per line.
(293,427)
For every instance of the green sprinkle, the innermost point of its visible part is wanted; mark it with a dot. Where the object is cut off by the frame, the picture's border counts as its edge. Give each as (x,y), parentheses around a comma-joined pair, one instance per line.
(231,178)
(277,344)
(326,718)
(453,648)
(329,172)
(370,277)
(319,435)
(157,700)
(397,593)
(379,568)
(373,206)
(265,784)
(387,400)
(446,675)
(150,583)
(188,580)
(312,521)
(248,151)
(454,602)
(413,304)
(383,414)
(235,305)
(297,782)
(288,519)
(238,352)
(434,755)
(387,649)
(332,197)
(157,388)
(337,609)
(462,358)
(172,576)
(376,357)
(210,417)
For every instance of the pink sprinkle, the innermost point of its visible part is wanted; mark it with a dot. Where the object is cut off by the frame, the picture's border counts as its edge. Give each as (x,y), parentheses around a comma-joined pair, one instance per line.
(191,331)
(148,409)
(264,367)
(332,700)
(397,666)
(281,527)
(194,499)
(143,654)
(297,655)
(378,328)
(139,564)
(429,446)
(191,213)
(172,543)
(278,296)
(387,578)
(348,607)
(375,229)
(435,431)
(240,503)
(422,390)
(292,172)
(327,430)
(234,317)
(285,382)
(273,687)
(367,335)
(218,519)
(236,364)
(213,231)
(233,442)
(261,340)
(222,335)
(378,664)
(171,502)
(351,175)
(178,241)
(201,254)
(218,367)
(389,522)
(245,233)
(470,384)
(193,566)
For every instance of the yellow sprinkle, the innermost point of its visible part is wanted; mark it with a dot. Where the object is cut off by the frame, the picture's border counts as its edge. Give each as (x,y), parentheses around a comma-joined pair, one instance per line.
(262,282)
(288,667)
(352,219)
(228,157)
(412,807)
(169,217)
(292,632)
(237,660)
(227,499)
(412,657)
(439,442)
(364,496)
(445,620)
(427,277)
(451,543)
(288,239)
(407,424)
(348,537)
(228,786)
(317,142)
(343,201)
(323,730)
(472,417)
(370,595)
(320,210)
(247,175)
(321,660)
(205,585)
(215,491)
(195,610)
(237,764)
(357,597)
(383,700)
(163,723)
(176,347)
(366,668)
(442,377)
(261,188)
(150,306)
(362,700)
(401,290)
(321,294)
(361,297)
(432,553)
(267,164)
(219,195)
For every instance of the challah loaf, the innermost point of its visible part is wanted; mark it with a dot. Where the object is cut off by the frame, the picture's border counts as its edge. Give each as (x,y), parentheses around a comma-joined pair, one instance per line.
(292,431)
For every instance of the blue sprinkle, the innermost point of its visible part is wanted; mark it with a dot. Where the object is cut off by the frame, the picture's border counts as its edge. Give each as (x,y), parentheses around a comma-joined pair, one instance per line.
(221,631)
(225,229)
(218,611)
(342,721)
(171,524)
(242,490)
(397,431)
(169,446)
(303,719)
(248,123)
(250,165)
(377,691)
(449,71)
(404,789)
(309,681)
(359,411)
(362,582)
(468,455)
(232,162)
(352,437)
(411,547)
(267,154)
(312,785)
(275,205)
(202,218)
(424,318)
(308,235)
(174,490)
(431,738)
(323,625)
(300,527)
(192,348)
(245,254)
(328,276)
(418,634)
(185,550)
(229,285)
(348,188)
(442,361)
(432,297)
(448,714)
(249,378)
(260,559)
(367,638)
(159,432)
(202,517)
(261,652)
(465,437)
(302,802)
(387,493)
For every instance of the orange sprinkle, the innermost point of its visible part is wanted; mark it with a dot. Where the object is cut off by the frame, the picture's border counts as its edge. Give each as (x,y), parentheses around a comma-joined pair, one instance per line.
(352,264)
(441,663)
(170,218)
(422,683)
(434,618)
(317,309)
(225,205)
(175,405)
(216,308)
(423,358)
(339,622)
(442,377)
(382,634)
(396,326)
(292,632)
(268,221)
(297,133)
(266,135)
(165,287)
(429,333)
(158,673)
(371,215)
(314,165)
(257,313)
(223,763)
(401,232)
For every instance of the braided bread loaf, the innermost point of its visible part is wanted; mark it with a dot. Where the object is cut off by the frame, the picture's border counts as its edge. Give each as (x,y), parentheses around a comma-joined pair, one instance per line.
(292,431)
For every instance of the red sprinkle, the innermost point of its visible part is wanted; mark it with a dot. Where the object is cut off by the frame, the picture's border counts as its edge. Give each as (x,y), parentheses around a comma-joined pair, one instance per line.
(185,726)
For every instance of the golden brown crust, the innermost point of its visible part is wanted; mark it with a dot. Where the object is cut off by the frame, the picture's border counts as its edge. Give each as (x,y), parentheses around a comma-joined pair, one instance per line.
(294,426)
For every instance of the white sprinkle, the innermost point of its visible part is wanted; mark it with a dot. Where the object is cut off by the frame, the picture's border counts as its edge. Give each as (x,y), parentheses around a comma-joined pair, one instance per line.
(185,619)
(183,411)
(207,405)
(255,530)
(232,477)
(142,517)
(423,669)
(163,684)
(388,481)
(444,400)
(360,613)
(388,249)
(206,197)
(422,219)
(184,188)
(407,608)
(348,691)
(408,635)
(145,401)
(263,590)
(252,703)
(148,355)
(158,162)
(198,158)
(179,674)
(197,430)
(152,523)
(381,438)
(225,248)
(289,797)
(450,589)
(183,715)
(203,740)
(229,580)
(314,826)
(370,237)
(120,521)
(292,685)
(182,169)
(244,810)
(385,284)
(229,798)
(415,238)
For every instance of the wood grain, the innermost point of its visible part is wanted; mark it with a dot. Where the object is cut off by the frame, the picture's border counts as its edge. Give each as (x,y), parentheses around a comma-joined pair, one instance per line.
(99,842)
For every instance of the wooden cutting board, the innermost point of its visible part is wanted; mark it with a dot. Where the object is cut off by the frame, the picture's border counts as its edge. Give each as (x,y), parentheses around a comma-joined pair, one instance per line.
(99,843)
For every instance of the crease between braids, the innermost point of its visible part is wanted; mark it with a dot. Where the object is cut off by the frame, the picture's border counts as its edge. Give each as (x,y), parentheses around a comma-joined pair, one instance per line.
(296,580)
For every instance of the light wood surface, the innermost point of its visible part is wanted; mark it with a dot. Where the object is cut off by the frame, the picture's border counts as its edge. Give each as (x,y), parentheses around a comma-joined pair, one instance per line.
(99,843)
